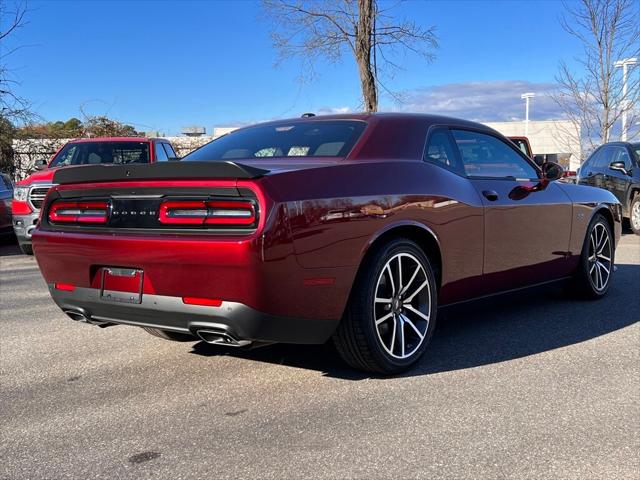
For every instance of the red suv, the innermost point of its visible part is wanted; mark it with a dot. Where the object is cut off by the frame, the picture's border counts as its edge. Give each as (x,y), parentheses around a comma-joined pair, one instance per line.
(29,193)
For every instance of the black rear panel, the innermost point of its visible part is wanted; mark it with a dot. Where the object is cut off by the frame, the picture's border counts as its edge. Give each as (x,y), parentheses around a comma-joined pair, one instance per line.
(157,171)
(136,210)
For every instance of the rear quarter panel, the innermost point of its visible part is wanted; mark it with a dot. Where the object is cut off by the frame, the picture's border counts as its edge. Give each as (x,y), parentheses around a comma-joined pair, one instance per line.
(335,213)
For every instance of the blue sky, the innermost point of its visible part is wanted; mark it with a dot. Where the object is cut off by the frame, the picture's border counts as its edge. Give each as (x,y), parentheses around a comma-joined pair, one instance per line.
(167,64)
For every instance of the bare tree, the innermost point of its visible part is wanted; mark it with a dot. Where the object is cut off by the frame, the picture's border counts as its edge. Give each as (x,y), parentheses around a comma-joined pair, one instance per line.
(325,29)
(593,98)
(13,107)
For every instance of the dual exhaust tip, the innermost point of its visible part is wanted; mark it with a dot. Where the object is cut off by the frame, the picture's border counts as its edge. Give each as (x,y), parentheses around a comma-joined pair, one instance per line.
(213,336)
(80,315)
(220,337)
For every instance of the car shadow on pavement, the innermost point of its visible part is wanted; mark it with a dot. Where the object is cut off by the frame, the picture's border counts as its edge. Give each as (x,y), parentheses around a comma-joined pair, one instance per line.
(484,332)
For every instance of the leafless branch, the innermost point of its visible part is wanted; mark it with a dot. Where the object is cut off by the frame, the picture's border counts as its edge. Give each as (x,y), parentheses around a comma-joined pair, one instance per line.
(609,30)
(324,29)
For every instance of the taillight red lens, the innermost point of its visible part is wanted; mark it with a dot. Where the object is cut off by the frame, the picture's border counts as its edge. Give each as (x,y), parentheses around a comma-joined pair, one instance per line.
(205,302)
(241,213)
(79,212)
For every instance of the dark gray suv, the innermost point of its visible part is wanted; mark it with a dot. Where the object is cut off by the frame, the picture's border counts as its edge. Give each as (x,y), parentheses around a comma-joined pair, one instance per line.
(6,197)
(615,167)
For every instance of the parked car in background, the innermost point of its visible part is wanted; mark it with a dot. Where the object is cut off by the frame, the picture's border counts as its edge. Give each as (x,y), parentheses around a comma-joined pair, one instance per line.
(30,192)
(523,144)
(6,196)
(355,227)
(615,167)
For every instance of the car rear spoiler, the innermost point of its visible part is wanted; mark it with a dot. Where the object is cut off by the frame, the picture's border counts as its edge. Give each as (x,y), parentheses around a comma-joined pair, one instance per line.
(156,171)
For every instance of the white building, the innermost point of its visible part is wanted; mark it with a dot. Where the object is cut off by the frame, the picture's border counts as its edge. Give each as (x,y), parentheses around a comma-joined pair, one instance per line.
(558,140)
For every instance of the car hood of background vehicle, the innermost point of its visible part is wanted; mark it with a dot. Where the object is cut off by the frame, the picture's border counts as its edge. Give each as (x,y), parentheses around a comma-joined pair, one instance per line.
(42,176)
(587,194)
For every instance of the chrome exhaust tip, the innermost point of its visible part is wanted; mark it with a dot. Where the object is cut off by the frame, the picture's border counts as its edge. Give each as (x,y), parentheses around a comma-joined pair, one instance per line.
(217,337)
(77,315)
(80,315)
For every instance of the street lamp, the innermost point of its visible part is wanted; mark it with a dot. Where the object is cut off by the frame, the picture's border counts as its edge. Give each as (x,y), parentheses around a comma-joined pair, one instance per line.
(625,63)
(526,97)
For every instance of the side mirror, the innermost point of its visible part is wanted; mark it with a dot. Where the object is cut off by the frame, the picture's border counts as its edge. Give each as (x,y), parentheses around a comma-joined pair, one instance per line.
(40,164)
(620,166)
(551,171)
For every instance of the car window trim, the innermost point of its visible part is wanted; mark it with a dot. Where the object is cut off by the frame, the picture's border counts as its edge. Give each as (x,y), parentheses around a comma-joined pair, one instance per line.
(434,128)
(507,143)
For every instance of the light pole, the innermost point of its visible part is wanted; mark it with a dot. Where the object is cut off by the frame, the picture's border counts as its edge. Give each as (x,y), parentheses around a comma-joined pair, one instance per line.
(526,97)
(625,63)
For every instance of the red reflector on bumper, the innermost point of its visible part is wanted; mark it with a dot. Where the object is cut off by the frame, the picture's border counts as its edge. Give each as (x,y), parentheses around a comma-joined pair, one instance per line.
(207,302)
(67,287)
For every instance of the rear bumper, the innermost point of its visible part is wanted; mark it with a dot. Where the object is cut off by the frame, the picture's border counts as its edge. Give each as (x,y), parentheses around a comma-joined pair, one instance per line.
(170,313)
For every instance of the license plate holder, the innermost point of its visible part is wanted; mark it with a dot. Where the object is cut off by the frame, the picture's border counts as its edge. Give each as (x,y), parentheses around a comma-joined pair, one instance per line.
(122,285)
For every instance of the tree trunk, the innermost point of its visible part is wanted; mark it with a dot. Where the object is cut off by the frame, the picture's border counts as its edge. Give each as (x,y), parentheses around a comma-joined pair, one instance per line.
(363,47)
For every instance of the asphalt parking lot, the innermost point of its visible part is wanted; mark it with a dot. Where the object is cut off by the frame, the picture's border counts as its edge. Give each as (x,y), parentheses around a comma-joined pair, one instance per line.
(532,385)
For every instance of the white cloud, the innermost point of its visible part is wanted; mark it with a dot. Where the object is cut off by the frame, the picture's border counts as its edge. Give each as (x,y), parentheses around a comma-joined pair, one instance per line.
(481,101)
(333,110)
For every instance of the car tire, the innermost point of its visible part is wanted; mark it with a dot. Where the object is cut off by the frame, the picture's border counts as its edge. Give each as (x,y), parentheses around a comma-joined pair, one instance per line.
(391,313)
(595,271)
(26,248)
(634,214)
(168,335)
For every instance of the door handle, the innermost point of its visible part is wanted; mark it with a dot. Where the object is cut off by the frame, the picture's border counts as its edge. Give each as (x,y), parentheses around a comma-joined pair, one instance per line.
(589,174)
(490,195)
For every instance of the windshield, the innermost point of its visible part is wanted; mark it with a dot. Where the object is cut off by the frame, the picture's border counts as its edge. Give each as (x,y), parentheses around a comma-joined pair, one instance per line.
(324,138)
(93,153)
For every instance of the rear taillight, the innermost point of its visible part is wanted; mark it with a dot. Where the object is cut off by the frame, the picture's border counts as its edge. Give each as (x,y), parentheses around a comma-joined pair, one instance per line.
(79,212)
(215,212)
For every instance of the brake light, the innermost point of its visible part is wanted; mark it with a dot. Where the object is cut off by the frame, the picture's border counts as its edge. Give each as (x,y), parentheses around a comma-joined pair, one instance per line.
(79,212)
(240,213)
(67,287)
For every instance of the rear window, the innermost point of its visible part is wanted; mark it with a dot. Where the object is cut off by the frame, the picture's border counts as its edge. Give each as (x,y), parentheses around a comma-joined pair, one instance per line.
(333,138)
(94,153)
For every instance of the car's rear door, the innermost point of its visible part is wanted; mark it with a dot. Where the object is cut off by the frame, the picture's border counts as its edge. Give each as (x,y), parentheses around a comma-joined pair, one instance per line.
(526,232)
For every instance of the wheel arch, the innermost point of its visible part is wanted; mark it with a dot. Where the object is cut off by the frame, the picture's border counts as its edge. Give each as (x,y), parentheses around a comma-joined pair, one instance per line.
(633,191)
(606,213)
(421,234)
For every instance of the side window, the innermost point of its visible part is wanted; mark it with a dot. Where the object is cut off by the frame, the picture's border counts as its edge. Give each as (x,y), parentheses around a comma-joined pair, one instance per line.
(161,155)
(170,151)
(440,150)
(486,156)
(622,155)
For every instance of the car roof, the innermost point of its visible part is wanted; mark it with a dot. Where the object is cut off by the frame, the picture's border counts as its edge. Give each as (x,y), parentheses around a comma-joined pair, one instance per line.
(113,139)
(620,144)
(386,116)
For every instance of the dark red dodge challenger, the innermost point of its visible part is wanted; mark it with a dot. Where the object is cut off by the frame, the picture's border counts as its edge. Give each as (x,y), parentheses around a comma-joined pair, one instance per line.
(353,227)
